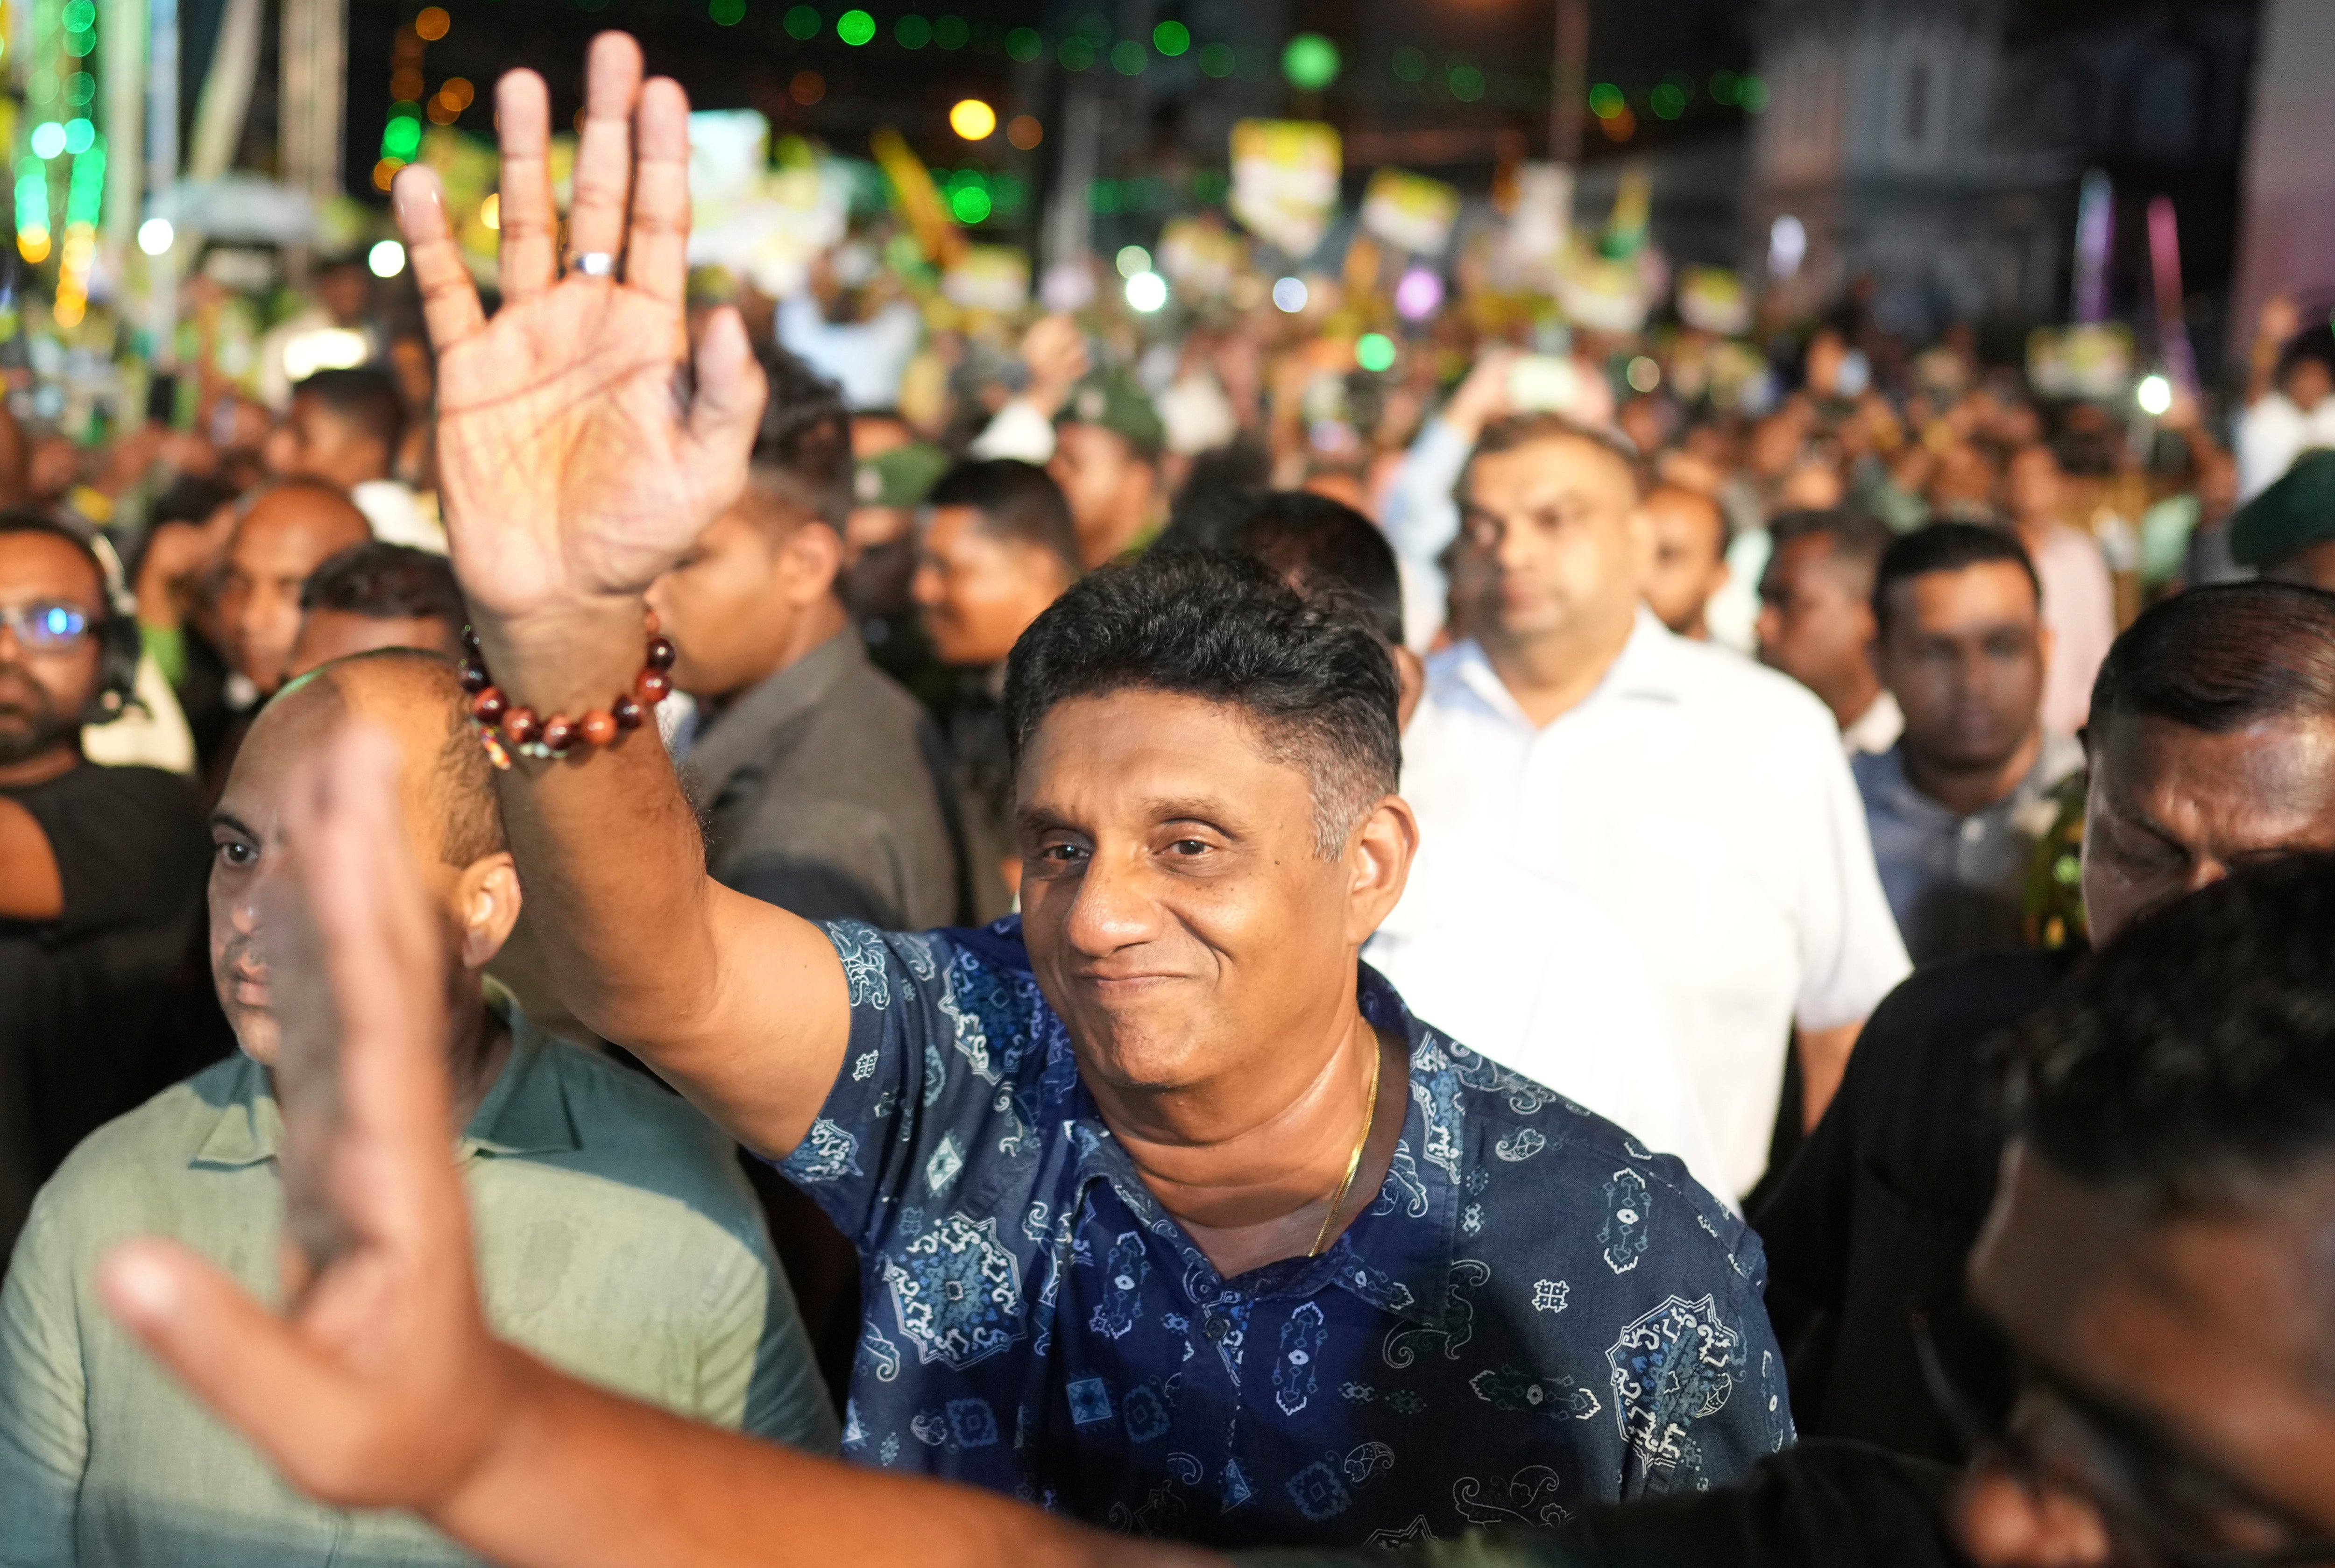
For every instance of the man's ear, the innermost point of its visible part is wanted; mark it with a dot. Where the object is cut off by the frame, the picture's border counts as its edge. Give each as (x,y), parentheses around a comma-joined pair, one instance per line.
(1378,861)
(486,900)
(1409,683)
(813,554)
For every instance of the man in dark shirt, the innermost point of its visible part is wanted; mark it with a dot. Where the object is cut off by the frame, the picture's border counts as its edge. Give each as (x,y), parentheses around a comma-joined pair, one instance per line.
(997,547)
(821,781)
(100,874)
(2211,743)
(1956,806)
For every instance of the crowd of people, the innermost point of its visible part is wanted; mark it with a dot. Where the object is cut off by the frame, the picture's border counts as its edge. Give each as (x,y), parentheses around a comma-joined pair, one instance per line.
(1515,958)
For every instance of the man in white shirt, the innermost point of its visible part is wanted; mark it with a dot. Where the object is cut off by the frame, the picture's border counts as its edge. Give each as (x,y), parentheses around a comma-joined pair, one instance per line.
(344,428)
(2290,400)
(1701,801)
(1815,620)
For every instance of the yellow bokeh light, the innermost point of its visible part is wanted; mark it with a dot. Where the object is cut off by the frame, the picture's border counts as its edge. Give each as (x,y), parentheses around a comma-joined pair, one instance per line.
(432,23)
(32,245)
(385,171)
(971,119)
(490,210)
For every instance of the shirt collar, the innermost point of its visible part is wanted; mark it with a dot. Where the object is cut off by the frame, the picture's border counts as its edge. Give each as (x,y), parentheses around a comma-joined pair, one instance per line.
(525,1112)
(740,733)
(1397,1254)
(1646,668)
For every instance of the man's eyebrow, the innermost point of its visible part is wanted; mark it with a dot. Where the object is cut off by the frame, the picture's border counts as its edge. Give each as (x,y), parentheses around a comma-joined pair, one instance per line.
(233,824)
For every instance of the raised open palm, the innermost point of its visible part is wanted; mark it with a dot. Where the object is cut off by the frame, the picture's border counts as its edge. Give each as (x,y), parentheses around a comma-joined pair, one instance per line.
(580,449)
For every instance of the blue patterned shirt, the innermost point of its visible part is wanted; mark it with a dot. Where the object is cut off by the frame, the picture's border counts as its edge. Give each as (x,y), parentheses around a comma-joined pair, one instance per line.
(1536,1313)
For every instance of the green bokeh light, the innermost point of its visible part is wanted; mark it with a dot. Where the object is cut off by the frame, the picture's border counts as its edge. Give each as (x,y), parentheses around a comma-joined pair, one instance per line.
(1075,54)
(728,12)
(1605,100)
(952,31)
(1310,62)
(1725,86)
(1411,65)
(802,22)
(1217,59)
(1024,45)
(855,27)
(1668,100)
(912,32)
(1752,95)
(1374,351)
(1171,38)
(1127,56)
(1466,82)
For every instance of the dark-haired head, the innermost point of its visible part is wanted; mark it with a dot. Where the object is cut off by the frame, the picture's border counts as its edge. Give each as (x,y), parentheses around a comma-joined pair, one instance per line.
(1312,680)
(2211,743)
(998,546)
(1014,503)
(378,596)
(2190,1057)
(1323,546)
(802,453)
(1944,547)
(2161,1247)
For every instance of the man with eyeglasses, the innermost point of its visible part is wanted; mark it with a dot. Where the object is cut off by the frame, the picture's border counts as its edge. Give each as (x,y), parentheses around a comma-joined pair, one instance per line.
(100,874)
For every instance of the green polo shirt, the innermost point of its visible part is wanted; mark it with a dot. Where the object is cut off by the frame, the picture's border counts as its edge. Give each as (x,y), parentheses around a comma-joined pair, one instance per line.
(616,1238)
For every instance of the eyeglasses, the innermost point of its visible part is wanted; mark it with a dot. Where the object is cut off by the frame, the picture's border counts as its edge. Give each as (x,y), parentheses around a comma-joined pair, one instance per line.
(45,625)
(2165,1506)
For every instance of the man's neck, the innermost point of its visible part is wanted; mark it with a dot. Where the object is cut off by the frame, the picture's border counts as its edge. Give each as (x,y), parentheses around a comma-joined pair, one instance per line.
(1550,676)
(476,1055)
(1965,791)
(812,630)
(1252,1191)
(40,767)
(1852,697)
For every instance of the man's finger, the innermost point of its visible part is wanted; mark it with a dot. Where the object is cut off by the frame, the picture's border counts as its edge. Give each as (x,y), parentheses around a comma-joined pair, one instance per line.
(530,224)
(656,257)
(730,391)
(237,1358)
(449,301)
(603,154)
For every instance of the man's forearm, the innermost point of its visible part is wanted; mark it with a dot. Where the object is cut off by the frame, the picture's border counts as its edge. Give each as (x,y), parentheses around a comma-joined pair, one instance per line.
(581,1478)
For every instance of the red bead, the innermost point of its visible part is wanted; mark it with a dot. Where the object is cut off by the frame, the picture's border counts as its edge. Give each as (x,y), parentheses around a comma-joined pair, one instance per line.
(652,686)
(627,713)
(475,677)
(521,725)
(490,705)
(659,654)
(597,728)
(558,732)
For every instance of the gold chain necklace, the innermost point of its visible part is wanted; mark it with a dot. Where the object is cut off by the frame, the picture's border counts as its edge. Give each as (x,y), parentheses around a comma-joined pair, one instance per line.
(1354,1160)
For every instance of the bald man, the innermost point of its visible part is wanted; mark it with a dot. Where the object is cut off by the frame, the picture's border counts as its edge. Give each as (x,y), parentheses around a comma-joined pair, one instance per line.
(286,532)
(615,1235)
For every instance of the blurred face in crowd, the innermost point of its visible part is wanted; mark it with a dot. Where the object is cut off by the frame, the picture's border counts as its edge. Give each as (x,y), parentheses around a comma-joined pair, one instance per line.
(879,557)
(2308,381)
(1689,542)
(1177,904)
(287,535)
(49,679)
(2171,809)
(1775,444)
(2175,1405)
(2314,565)
(1963,654)
(874,434)
(316,442)
(2031,486)
(978,593)
(1562,542)
(1963,483)
(1816,623)
(329,635)
(478,902)
(755,592)
(345,290)
(1109,484)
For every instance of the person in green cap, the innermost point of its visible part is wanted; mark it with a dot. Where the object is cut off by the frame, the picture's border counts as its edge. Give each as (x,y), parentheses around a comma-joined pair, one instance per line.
(1107,444)
(2287,533)
(879,563)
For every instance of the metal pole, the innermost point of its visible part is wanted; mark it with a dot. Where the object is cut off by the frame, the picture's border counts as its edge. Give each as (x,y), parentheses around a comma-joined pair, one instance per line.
(162,170)
(1568,80)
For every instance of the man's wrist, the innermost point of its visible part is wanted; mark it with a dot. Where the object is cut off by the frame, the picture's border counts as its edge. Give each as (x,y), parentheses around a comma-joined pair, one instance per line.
(566,658)
(512,1421)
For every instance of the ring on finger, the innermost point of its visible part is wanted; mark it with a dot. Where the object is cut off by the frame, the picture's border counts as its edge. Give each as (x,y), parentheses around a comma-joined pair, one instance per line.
(593,262)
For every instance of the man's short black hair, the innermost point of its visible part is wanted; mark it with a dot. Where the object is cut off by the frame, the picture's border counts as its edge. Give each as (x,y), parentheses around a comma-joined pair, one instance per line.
(385,582)
(1318,544)
(1857,541)
(2190,1058)
(1944,547)
(1312,678)
(363,397)
(803,450)
(1016,502)
(1523,430)
(24,520)
(2222,656)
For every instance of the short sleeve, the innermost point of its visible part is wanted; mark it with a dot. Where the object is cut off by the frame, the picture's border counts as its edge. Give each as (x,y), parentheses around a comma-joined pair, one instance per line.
(891,1114)
(1851,956)
(757,1371)
(44,1402)
(128,845)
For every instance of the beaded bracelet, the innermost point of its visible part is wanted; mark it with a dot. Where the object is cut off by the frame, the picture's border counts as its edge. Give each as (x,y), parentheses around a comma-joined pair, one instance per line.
(499,720)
